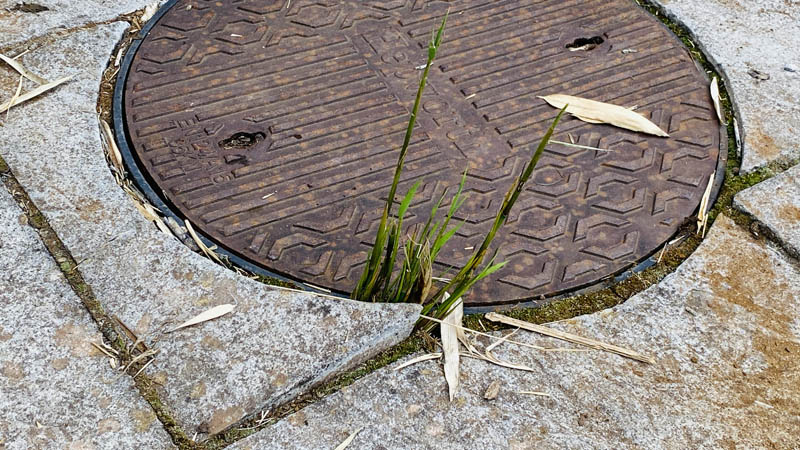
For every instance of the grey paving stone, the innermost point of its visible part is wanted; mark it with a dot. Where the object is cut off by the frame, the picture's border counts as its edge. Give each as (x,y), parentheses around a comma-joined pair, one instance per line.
(724,330)
(776,203)
(56,389)
(20,20)
(743,36)
(273,346)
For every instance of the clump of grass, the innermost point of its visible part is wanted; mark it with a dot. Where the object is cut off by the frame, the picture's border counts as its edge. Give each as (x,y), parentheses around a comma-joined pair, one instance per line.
(413,282)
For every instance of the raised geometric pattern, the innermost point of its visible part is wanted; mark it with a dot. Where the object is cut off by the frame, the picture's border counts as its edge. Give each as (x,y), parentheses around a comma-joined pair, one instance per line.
(326,86)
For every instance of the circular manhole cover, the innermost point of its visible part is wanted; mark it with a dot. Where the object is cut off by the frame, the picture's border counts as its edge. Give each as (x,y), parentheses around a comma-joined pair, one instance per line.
(274,127)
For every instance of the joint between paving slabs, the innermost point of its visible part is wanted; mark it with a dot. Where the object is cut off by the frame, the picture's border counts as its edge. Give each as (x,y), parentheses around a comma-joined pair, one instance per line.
(54,35)
(111,329)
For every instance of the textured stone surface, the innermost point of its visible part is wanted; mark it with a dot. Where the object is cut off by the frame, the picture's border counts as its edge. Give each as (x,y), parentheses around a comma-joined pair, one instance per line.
(776,203)
(740,36)
(56,389)
(20,23)
(724,330)
(275,345)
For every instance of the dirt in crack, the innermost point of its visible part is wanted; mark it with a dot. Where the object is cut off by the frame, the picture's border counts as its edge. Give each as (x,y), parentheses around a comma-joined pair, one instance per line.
(29,8)
(585,44)
(241,141)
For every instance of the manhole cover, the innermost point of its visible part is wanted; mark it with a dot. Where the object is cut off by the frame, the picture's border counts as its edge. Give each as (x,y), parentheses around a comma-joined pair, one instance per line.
(274,126)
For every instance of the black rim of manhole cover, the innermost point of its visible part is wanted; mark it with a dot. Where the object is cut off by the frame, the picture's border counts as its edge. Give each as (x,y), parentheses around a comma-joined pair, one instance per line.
(273,127)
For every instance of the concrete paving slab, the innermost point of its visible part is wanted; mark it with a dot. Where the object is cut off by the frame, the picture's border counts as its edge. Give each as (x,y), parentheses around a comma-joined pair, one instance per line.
(754,43)
(25,20)
(724,330)
(56,389)
(273,346)
(776,204)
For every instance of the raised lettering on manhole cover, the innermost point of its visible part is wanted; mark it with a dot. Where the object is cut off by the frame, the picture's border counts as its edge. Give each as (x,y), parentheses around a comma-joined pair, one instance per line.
(274,127)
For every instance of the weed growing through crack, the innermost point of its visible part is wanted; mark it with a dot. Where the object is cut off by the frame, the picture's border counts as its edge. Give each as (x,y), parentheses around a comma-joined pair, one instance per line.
(413,282)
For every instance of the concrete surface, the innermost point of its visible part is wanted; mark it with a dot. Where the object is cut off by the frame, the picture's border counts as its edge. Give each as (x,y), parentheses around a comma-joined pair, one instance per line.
(776,204)
(274,346)
(724,330)
(56,389)
(755,45)
(21,20)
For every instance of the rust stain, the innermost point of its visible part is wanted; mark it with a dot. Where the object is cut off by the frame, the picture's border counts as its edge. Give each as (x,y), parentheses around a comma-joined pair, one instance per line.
(749,281)
(143,419)
(108,426)
(77,339)
(13,371)
(223,418)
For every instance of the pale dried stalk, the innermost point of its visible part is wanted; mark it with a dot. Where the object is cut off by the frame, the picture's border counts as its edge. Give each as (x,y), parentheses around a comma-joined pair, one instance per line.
(349,440)
(419,359)
(521,344)
(16,65)
(569,337)
(34,93)
(15,97)
(702,214)
(207,251)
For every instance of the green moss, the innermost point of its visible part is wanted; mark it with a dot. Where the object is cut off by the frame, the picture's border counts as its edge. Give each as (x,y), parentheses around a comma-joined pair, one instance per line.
(277,282)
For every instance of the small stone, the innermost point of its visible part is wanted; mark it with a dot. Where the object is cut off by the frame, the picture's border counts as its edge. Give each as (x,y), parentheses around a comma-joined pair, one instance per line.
(492,390)
(758,75)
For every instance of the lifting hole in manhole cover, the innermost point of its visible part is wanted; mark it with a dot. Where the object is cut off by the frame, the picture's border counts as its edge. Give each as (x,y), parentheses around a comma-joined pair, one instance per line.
(273,127)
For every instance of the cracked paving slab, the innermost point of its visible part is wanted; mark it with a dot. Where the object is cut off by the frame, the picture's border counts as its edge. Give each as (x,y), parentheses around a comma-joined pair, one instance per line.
(724,330)
(274,346)
(776,204)
(29,19)
(755,45)
(56,389)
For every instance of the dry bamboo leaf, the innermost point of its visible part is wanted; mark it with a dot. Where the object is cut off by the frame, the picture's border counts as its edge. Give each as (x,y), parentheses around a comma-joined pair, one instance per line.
(598,112)
(715,96)
(450,347)
(492,390)
(149,12)
(349,440)
(34,93)
(15,97)
(207,251)
(213,313)
(569,337)
(702,214)
(113,150)
(16,65)
(419,359)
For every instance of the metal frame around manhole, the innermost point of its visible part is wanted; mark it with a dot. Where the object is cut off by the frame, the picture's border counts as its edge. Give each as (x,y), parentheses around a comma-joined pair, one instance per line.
(145,183)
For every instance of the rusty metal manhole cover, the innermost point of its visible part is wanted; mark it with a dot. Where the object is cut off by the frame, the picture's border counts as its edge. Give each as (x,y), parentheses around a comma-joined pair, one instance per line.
(273,126)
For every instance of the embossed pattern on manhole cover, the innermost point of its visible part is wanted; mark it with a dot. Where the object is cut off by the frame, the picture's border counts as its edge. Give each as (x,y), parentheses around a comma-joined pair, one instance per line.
(274,126)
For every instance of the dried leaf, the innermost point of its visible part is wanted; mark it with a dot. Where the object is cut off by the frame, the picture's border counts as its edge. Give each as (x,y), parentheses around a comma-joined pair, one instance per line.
(492,390)
(450,347)
(569,337)
(213,313)
(149,11)
(598,112)
(203,247)
(419,359)
(16,65)
(702,213)
(34,93)
(715,96)
(349,440)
